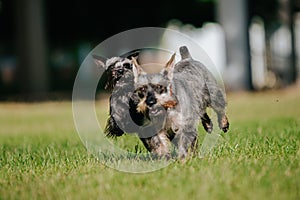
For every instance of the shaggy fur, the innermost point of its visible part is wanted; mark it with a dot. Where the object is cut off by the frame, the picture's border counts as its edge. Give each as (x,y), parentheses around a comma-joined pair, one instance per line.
(192,87)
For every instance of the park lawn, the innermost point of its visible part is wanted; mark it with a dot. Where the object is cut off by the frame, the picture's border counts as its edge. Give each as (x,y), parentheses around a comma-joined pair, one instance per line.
(42,157)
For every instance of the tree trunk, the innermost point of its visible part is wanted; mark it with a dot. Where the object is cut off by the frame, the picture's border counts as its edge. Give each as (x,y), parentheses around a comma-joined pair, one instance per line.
(31,46)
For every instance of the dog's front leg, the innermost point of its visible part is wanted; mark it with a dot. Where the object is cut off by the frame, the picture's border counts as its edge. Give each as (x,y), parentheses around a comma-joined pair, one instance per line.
(158,144)
(185,141)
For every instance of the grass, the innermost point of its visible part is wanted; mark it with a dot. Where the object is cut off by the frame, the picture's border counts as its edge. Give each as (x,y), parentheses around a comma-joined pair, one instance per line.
(42,157)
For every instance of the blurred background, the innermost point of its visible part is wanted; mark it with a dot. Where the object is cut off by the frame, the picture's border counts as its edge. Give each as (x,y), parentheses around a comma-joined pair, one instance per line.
(255,44)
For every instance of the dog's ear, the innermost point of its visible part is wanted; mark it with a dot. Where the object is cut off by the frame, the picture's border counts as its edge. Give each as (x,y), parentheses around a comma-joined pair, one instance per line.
(136,69)
(184,52)
(99,60)
(169,68)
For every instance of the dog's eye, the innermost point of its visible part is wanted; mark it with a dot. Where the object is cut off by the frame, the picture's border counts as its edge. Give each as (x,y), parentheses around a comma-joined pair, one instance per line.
(127,66)
(141,95)
(142,91)
(160,89)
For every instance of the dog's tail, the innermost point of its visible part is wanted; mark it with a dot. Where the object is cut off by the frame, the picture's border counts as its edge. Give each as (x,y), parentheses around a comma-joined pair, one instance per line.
(184,52)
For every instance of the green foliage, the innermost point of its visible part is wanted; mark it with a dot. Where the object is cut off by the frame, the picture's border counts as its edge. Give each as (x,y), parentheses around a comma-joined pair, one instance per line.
(42,157)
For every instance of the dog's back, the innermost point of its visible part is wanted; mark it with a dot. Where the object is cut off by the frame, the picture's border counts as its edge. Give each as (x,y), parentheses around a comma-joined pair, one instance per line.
(198,82)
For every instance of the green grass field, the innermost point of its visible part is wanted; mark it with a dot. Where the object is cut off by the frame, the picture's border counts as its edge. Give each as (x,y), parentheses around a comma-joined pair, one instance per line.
(42,157)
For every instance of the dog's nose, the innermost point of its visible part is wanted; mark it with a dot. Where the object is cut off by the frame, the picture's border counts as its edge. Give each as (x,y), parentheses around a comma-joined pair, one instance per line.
(150,100)
(120,70)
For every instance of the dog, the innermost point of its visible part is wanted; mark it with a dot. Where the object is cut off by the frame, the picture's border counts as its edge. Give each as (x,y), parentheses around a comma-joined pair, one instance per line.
(177,97)
(157,136)
(118,80)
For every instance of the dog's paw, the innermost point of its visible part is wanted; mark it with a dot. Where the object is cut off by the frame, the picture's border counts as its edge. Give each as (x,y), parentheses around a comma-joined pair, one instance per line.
(207,124)
(208,127)
(224,124)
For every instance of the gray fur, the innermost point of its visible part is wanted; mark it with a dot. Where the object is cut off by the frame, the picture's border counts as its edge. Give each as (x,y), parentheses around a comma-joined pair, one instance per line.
(194,89)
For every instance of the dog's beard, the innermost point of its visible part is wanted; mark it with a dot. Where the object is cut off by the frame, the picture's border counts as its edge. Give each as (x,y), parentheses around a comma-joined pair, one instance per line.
(154,121)
(113,78)
(157,116)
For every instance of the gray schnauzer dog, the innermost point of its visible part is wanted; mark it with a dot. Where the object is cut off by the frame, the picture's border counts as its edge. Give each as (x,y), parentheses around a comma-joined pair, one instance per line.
(184,90)
(164,107)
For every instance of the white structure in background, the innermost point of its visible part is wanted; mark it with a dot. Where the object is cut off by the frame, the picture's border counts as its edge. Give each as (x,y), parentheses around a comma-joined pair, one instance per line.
(281,42)
(210,38)
(258,53)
